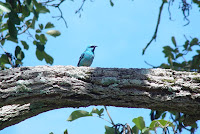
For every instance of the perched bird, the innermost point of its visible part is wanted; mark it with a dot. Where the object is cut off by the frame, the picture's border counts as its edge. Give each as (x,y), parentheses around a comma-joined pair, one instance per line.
(87,56)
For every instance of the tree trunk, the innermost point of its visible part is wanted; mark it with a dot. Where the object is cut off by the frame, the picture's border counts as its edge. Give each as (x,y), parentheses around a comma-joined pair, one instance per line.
(28,91)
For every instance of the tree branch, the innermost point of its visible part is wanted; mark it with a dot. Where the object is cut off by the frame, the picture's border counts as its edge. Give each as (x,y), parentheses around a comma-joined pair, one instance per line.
(157,25)
(28,91)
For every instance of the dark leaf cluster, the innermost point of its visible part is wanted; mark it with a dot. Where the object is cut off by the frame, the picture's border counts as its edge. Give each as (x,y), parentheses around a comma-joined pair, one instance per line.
(21,17)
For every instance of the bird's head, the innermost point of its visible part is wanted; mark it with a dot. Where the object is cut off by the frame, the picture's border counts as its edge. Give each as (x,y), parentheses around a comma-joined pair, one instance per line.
(91,48)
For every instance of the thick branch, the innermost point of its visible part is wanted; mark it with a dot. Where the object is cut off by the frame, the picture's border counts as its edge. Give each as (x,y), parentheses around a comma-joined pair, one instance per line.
(28,91)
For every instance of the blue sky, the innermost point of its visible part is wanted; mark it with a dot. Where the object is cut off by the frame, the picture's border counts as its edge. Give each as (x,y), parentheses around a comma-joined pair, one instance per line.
(120,32)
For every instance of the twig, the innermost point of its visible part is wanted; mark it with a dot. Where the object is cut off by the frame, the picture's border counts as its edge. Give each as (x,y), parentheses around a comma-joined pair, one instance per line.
(61,16)
(102,118)
(150,64)
(80,8)
(109,116)
(155,33)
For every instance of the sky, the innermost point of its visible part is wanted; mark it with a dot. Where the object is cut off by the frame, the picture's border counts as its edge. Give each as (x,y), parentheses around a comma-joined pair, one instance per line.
(120,32)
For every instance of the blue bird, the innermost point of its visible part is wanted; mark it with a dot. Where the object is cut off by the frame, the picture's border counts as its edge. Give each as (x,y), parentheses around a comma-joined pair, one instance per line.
(87,56)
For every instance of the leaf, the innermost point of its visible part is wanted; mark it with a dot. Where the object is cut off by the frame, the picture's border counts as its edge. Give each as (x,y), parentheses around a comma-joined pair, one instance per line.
(33,23)
(25,11)
(160,123)
(53,33)
(164,115)
(38,31)
(194,42)
(186,45)
(40,46)
(43,39)
(12,29)
(37,36)
(174,41)
(135,130)
(97,111)
(14,17)
(78,114)
(168,51)
(145,130)
(19,54)
(179,55)
(4,59)
(5,7)
(39,54)
(26,46)
(41,26)
(49,25)
(111,3)
(139,122)
(66,132)
(42,9)
(110,130)
(48,58)
(2,42)
(36,15)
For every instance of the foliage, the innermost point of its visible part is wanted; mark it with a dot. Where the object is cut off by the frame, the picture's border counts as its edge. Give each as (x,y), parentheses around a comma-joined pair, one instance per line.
(121,128)
(21,18)
(178,52)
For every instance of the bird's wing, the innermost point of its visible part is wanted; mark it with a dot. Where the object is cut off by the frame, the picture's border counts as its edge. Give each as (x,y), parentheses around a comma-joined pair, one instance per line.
(81,57)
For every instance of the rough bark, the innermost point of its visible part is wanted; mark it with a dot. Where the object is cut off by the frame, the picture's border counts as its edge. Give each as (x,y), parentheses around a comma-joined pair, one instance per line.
(28,91)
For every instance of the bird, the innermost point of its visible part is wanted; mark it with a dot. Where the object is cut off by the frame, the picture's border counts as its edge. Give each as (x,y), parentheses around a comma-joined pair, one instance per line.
(87,56)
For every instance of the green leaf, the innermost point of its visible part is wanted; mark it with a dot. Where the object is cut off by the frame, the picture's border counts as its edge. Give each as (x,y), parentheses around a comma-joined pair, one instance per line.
(5,7)
(26,46)
(174,41)
(14,17)
(43,39)
(33,23)
(19,54)
(40,46)
(39,54)
(160,123)
(78,114)
(4,59)
(168,51)
(25,11)
(186,44)
(2,42)
(179,55)
(41,26)
(36,15)
(37,36)
(194,42)
(111,3)
(38,31)
(12,29)
(145,130)
(53,33)
(42,9)
(66,132)
(49,25)
(97,111)
(48,58)
(139,122)
(164,115)
(135,130)
(110,130)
